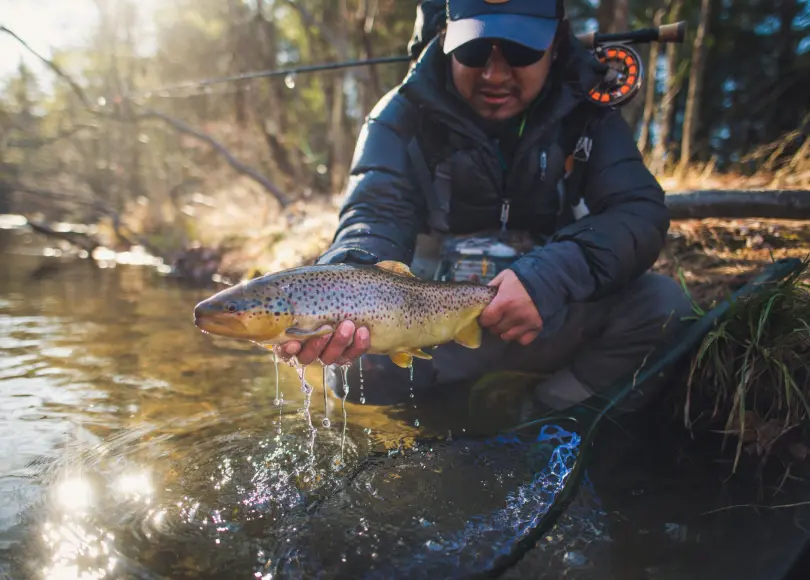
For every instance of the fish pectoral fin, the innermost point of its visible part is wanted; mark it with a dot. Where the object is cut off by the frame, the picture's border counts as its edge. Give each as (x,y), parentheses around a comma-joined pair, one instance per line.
(405,358)
(402,359)
(419,353)
(394,267)
(469,335)
(304,334)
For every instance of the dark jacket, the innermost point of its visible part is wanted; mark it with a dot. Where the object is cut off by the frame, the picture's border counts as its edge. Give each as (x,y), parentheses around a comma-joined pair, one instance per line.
(384,208)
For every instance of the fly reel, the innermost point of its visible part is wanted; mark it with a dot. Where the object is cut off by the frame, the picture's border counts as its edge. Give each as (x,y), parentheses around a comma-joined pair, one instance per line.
(623,78)
(625,72)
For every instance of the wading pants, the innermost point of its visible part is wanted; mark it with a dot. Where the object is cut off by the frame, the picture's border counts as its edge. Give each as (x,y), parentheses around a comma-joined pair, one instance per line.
(590,347)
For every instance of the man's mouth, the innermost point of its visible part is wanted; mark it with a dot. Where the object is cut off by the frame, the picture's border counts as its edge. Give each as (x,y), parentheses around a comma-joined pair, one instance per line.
(495,97)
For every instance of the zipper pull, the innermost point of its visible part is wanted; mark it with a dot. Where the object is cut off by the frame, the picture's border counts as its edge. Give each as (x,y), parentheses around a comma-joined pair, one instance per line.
(504,214)
(543,165)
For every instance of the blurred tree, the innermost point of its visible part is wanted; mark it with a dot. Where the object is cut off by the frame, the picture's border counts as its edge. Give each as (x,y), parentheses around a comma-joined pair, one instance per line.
(739,83)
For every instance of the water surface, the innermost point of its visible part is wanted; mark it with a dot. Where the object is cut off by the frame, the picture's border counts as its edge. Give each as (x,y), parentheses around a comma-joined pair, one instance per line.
(134,446)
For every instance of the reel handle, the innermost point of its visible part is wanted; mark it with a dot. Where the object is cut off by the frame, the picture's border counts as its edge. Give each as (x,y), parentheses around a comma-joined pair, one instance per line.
(675,32)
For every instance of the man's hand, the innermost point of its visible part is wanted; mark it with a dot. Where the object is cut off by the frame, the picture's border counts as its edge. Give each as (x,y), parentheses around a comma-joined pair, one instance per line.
(512,313)
(342,346)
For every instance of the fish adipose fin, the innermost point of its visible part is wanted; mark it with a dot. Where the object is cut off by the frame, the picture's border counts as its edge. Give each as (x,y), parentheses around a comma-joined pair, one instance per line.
(303,334)
(469,335)
(397,268)
(405,358)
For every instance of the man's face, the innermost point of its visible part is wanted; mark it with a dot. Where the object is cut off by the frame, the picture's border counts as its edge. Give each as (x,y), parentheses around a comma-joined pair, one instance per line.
(496,90)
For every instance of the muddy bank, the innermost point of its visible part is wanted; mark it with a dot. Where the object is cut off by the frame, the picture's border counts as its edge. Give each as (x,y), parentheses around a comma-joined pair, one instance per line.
(714,256)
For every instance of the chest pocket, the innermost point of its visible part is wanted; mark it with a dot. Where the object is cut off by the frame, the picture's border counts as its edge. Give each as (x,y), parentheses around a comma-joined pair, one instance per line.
(470,180)
(535,195)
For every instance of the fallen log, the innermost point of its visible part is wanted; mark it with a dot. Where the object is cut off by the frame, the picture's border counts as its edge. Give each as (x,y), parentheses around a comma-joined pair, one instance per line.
(740,204)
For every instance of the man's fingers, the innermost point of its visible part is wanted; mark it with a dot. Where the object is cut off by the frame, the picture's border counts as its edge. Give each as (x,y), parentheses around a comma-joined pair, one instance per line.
(288,350)
(492,314)
(362,340)
(496,281)
(341,339)
(515,332)
(312,349)
(528,338)
(507,323)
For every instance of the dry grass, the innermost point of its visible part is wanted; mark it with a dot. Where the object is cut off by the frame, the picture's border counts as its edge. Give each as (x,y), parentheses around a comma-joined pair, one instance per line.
(783,164)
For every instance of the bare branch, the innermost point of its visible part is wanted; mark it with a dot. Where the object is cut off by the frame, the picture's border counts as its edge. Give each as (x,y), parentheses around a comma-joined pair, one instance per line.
(82,241)
(63,197)
(176,123)
(53,66)
(219,148)
(38,142)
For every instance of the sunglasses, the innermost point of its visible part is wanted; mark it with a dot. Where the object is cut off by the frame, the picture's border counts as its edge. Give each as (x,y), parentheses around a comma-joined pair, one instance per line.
(476,53)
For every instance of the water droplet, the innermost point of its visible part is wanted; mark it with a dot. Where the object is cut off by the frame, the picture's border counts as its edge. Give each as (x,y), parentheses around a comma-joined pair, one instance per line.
(277,402)
(326,423)
(412,395)
(289,80)
(362,400)
(416,423)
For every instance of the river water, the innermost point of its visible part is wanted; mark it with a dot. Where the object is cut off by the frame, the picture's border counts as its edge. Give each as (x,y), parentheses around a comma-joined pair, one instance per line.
(134,446)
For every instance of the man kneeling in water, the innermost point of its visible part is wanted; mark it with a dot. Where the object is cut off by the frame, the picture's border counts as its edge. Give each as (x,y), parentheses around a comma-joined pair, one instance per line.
(489,105)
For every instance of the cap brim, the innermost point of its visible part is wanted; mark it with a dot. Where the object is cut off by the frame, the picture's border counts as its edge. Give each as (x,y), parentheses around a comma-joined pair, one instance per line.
(536,33)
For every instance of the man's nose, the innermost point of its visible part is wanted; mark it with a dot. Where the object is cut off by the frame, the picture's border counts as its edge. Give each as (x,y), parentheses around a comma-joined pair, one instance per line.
(497,70)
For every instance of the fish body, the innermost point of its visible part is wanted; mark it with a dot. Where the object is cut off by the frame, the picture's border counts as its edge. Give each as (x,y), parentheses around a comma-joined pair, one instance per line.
(404,314)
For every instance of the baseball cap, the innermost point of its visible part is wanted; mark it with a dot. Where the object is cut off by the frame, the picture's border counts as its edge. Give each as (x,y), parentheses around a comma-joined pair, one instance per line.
(531,23)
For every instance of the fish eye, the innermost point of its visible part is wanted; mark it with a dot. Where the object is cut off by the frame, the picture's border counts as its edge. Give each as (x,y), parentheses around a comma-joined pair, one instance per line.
(231,307)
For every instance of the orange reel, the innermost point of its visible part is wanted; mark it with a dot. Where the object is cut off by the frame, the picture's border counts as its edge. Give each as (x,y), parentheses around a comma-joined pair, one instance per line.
(623,78)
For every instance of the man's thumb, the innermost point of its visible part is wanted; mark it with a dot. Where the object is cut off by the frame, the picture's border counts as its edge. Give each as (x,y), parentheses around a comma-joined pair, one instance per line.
(496,281)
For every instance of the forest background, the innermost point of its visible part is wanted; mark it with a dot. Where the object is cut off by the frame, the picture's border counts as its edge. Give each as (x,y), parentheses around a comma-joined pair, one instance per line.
(114,131)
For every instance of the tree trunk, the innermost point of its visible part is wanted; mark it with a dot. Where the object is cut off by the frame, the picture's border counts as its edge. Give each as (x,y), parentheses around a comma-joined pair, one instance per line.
(694,95)
(337,136)
(613,15)
(739,204)
(651,80)
(665,116)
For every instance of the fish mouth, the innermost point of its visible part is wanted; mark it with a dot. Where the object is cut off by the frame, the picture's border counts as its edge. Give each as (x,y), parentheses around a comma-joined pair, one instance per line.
(219,323)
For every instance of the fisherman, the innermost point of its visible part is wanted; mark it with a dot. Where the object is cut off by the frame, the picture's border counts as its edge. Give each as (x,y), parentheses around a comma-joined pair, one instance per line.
(472,149)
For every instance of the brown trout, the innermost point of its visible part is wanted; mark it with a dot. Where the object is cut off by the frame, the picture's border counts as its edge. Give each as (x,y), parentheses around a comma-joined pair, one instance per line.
(403,313)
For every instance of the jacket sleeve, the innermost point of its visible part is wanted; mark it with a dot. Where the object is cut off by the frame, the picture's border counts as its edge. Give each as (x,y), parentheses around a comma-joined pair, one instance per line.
(621,237)
(383,210)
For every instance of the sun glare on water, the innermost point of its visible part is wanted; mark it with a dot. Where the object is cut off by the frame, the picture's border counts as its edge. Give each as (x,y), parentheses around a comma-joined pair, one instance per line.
(77,548)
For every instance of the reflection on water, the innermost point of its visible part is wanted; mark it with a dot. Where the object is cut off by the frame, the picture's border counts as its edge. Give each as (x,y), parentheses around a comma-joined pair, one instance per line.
(134,446)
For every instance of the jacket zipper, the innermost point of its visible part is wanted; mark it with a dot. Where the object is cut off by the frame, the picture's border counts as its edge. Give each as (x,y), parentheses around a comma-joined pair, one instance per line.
(543,164)
(505,201)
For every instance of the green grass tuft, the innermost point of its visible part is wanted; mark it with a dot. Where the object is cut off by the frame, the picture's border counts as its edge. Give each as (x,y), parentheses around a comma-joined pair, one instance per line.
(750,378)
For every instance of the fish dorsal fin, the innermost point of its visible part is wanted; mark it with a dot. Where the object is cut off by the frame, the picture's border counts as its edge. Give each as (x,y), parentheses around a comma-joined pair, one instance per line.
(394,267)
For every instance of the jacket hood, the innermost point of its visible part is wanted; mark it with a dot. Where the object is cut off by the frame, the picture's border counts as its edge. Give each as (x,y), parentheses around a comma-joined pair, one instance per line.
(428,85)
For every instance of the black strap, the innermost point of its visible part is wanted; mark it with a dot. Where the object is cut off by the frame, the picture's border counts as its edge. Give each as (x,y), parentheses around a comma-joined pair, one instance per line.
(576,135)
